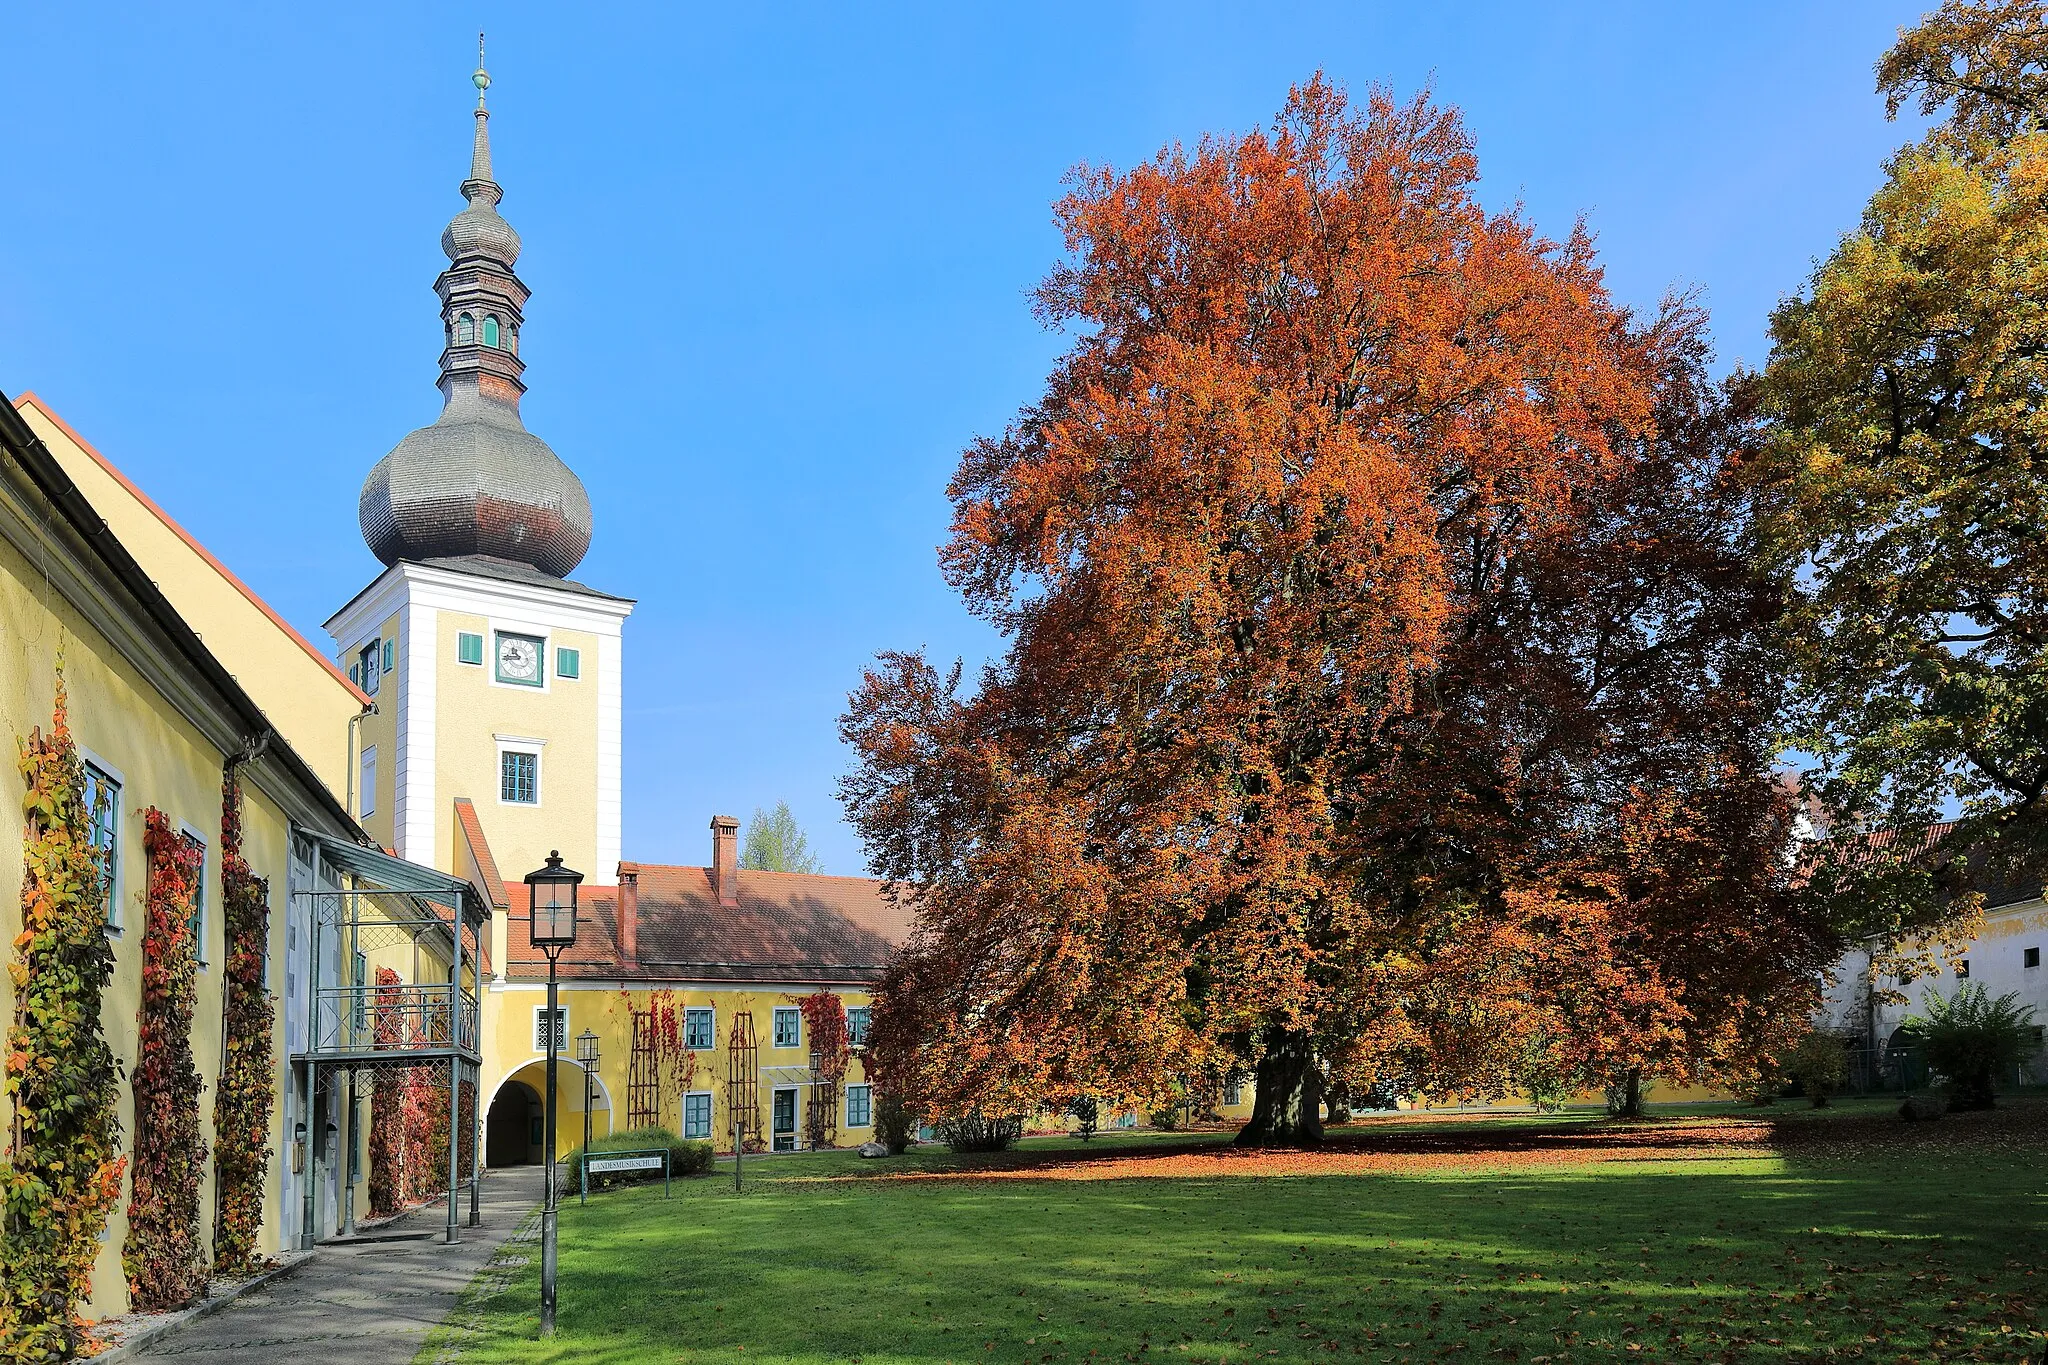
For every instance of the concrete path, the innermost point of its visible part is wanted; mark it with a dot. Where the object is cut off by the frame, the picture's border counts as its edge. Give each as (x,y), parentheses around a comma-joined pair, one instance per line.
(370,1303)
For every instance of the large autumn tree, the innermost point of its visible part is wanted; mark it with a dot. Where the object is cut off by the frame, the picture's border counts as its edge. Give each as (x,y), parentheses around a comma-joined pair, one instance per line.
(1911,478)
(1363,565)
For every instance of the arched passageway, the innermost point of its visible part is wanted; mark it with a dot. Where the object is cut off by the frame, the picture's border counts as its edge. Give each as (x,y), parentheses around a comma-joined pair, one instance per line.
(513,1125)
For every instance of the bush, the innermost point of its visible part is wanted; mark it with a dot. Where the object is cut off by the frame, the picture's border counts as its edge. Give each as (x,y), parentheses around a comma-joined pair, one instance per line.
(980,1133)
(895,1125)
(685,1156)
(1165,1119)
(1819,1064)
(1971,1039)
(1921,1108)
(1087,1112)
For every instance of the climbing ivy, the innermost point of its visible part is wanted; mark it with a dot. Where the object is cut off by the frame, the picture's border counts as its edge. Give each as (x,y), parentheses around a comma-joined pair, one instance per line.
(62,1174)
(243,1101)
(387,1102)
(166,1265)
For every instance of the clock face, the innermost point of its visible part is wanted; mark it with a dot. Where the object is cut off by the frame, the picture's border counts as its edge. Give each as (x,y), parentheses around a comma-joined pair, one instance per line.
(518,659)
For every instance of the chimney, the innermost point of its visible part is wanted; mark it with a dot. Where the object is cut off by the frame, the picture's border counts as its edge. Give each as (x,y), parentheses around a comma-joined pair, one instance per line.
(725,859)
(629,912)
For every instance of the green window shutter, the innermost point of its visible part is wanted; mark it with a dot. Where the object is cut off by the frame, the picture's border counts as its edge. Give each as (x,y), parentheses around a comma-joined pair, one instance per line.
(353,677)
(390,653)
(469,648)
(568,663)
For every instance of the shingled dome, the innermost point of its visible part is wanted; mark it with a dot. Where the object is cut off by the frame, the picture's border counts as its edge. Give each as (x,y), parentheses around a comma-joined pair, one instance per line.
(477,482)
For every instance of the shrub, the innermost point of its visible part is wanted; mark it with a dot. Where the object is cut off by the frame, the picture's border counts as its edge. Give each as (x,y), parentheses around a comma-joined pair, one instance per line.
(980,1132)
(1819,1063)
(1166,1119)
(1971,1039)
(686,1156)
(895,1125)
(1918,1108)
(1087,1112)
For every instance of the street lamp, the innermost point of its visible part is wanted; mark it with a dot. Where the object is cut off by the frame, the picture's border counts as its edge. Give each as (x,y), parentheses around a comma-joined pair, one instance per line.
(586,1053)
(551,891)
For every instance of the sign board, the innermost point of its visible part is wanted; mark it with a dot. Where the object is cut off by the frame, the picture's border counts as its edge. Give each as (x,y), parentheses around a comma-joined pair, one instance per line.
(599,1165)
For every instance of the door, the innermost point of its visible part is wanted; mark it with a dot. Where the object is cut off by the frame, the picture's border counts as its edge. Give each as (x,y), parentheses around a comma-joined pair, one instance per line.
(785,1119)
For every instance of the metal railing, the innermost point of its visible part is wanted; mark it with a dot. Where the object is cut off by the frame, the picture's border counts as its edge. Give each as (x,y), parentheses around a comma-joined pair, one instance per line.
(367,1019)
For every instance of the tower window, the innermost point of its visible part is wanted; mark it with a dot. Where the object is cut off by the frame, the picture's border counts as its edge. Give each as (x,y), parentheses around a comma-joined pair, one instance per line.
(511,339)
(469,648)
(519,778)
(490,329)
(568,663)
(368,662)
(465,330)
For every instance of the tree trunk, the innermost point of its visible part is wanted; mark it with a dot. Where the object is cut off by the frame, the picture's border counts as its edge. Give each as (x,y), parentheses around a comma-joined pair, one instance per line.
(1625,1096)
(1287,1105)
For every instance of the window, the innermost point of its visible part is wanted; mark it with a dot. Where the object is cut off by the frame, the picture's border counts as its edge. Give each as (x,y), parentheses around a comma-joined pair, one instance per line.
(366,660)
(518,778)
(1233,1091)
(490,329)
(198,847)
(540,1028)
(789,1030)
(355,675)
(1963,970)
(103,811)
(697,1114)
(390,654)
(860,1106)
(362,993)
(698,1029)
(857,1025)
(469,647)
(568,663)
(2031,957)
(519,659)
(511,338)
(465,330)
(366,784)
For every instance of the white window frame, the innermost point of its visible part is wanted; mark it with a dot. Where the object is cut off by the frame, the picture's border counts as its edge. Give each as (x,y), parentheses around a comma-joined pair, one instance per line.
(366,781)
(867,1097)
(775,1026)
(513,744)
(867,1017)
(710,1114)
(371,659)
(711,1010)
(199,919)
(115,776)
(540,1042)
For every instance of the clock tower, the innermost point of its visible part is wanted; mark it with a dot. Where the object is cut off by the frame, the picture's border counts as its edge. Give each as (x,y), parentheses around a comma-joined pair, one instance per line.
(496,677)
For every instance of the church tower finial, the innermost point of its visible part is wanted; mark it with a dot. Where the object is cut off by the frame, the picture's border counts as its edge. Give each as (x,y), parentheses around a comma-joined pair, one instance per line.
(477,482)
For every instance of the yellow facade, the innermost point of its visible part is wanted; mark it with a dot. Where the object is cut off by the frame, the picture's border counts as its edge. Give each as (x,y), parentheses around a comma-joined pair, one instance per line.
(303,695)
(479,717)
(513,1052)
(139,716)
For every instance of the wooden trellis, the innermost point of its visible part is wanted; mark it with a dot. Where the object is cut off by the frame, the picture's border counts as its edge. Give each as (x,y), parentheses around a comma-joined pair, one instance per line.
(743,1082)
(643,1089)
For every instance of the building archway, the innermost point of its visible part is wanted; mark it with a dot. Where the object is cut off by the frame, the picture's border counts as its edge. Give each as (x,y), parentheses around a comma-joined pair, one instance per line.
(513,1128)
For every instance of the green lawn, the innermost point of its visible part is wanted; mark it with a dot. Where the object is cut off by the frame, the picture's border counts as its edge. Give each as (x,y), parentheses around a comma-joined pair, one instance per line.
(1837,1234)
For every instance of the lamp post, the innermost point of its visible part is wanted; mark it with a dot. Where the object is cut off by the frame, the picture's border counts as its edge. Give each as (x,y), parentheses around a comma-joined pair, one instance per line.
(551,891)
(586,1054)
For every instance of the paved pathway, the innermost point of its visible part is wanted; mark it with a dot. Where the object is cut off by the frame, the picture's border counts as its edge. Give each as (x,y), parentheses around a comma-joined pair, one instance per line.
(371,1303)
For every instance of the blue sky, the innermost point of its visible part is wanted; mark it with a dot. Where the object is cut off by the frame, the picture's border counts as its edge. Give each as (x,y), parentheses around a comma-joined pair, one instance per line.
(780,259)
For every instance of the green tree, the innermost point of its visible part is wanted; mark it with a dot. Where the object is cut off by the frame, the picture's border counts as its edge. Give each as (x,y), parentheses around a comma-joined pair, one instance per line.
(1908,485)
(776,843)
(1972,1040)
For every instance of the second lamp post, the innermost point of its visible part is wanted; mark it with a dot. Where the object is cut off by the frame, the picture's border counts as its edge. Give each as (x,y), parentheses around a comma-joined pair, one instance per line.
(552,892)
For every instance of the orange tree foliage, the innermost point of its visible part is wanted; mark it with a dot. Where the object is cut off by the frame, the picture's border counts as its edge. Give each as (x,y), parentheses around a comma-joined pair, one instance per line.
(825,1031)
(63,1169)
(1363,566)
(242,1102)
(165,1263)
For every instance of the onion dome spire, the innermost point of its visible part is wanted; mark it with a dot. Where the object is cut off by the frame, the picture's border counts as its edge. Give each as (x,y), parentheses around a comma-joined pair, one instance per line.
(477,482)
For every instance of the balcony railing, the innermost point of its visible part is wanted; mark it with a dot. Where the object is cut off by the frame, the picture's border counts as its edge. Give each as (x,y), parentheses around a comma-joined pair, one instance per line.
(362,1021)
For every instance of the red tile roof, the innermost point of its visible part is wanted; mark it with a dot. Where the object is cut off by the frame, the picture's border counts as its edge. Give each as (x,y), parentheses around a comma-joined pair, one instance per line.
(788,927)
